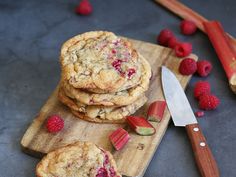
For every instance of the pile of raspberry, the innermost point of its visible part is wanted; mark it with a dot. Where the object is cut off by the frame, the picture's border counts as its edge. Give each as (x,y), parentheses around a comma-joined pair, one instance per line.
(188,66)
(168,39)
(206,100)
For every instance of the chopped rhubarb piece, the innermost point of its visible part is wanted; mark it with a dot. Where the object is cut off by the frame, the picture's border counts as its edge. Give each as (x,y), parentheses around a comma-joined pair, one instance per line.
(140,125)
(119,138)
(156,111)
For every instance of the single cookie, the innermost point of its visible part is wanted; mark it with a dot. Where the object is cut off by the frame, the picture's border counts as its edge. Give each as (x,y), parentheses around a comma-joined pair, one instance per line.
(121,98)
(81,159)
(101,114)
(100,61)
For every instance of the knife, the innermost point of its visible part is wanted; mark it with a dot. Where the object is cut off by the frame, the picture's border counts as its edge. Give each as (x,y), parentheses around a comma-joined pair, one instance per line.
(183,116)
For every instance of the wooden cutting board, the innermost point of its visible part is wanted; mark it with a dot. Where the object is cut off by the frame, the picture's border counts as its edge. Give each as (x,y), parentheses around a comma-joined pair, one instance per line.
(135,157)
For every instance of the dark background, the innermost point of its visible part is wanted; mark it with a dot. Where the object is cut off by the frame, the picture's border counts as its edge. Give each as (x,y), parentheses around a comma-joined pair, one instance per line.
(31,34)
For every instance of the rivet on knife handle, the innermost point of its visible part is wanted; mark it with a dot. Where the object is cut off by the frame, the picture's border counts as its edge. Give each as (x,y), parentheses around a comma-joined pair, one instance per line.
(204,158)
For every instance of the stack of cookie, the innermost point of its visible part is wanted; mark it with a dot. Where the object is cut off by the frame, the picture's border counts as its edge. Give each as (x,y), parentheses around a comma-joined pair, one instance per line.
(103,78)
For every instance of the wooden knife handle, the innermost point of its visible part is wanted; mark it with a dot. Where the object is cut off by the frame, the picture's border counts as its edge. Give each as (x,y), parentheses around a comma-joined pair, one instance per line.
(203,156)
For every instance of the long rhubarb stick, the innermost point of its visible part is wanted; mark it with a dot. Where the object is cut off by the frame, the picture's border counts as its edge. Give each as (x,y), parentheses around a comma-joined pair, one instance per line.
(186,13)
(223,49)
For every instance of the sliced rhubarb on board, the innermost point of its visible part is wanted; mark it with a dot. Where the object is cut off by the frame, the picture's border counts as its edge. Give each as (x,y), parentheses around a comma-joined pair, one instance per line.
(156,111)
(140,125)
(119,138)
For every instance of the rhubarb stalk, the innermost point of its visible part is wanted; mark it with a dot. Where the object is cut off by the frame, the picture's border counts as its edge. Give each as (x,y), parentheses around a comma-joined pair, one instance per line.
(156,111)
(223,49)
(119,138)
(140,125)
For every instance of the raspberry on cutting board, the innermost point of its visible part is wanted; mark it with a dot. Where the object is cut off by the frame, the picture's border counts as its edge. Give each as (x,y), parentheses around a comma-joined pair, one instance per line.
(54,124)
(183,49)
(188,66)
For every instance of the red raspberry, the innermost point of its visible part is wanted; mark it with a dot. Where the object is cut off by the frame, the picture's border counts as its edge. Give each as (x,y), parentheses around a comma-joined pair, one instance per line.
(117,65)
(201,88)
(112,172)
(204,68)
(102,172)
(188,27)
(164,36)
(172,42)
(183,49)
(131,71)
(188,66)
(199,113)
(54,124)
(84,8)
(208,102)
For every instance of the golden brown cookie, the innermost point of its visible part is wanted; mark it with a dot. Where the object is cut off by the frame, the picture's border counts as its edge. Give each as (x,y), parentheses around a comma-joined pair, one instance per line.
(81,159)
(100,61)
(101,114)
(121,98)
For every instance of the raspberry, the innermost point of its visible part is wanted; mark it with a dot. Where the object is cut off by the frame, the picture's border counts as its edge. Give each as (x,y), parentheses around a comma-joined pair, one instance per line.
(164,36)
(204,68)
(188,27)
(84,8)
(54,124)
(188,66)
(112,172)
(172,42)
(201,88)
(106,161)
(208,102)
(102,172)
(183,49)
(131,71)
(117,64)
(199,113)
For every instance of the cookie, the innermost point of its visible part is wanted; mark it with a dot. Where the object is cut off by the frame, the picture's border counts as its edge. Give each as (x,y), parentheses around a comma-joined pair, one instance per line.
(101,114)
(120,98)
(81,159)
(101,62)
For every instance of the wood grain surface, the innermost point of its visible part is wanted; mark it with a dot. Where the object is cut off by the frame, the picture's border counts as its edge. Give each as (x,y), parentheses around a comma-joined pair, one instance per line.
(204,158)
(135,157)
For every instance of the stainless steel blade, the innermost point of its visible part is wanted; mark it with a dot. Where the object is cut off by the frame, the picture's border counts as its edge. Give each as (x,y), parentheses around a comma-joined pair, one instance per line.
(176,99)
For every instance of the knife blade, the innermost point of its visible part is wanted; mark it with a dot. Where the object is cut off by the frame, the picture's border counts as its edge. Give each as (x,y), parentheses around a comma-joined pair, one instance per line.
(183,116)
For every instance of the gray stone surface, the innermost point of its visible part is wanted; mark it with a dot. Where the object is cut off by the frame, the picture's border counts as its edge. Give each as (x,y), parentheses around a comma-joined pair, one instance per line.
(31,33)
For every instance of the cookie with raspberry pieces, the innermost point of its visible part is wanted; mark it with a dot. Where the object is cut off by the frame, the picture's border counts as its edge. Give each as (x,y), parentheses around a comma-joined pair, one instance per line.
(100,114)
(101,62)
(81,159)
(120,98)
